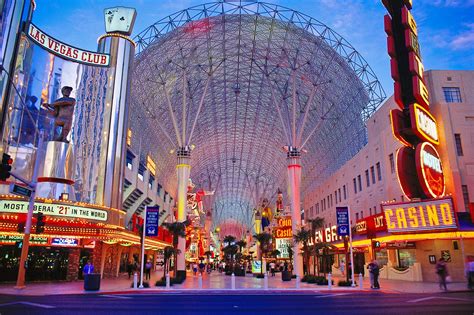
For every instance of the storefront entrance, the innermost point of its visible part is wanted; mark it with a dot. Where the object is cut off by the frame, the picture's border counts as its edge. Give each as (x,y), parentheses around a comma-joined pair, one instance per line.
(43,264)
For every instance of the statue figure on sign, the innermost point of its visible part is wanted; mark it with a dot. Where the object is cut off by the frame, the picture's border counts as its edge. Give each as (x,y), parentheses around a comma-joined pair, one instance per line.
(62,109)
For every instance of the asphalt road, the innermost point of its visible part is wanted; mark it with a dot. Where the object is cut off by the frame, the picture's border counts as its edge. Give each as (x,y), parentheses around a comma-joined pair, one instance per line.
(241,302)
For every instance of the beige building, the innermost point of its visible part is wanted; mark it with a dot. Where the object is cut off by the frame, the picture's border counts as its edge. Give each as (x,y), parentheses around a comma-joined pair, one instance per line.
(369,178)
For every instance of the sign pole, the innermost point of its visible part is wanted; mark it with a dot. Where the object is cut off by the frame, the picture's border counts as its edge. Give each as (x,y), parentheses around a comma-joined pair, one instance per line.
(350,247)
(20,282)
(143,249)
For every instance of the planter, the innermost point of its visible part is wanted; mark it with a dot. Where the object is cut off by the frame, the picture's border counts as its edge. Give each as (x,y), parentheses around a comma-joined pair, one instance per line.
(286,276)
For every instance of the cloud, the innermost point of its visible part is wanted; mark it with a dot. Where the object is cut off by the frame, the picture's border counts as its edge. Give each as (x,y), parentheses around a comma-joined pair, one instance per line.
(451,3)
(464,40)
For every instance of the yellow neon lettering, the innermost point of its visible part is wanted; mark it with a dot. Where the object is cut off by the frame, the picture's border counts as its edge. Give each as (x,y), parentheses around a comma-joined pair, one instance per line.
(401,220)
(412,216)
(446,213)
(432,215)
(388,214)
(422,215)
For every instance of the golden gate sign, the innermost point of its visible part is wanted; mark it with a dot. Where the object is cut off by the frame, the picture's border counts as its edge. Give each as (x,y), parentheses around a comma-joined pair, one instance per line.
(419,168)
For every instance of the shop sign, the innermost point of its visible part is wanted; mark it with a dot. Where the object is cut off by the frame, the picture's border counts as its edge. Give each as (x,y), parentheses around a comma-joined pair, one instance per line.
(66,51)
(373,223)
(88,244)
(327,235)
(256,266)
(401,245)
(446,255)
(342,219)
(61,241)
(430,170)
(152,217)
(284,228)
(50,209)
(282,245)
(424,216)
(12,239)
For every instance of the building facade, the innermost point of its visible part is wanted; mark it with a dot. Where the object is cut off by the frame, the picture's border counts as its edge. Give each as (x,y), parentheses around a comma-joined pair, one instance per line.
(369,181)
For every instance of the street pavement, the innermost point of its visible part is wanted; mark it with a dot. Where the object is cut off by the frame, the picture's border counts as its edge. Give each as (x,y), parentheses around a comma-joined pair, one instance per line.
(242,302)
(217,281)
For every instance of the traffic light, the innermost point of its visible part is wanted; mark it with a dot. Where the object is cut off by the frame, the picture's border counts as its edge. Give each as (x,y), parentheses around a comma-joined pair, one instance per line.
(40,223)
(21,227)
(5,167)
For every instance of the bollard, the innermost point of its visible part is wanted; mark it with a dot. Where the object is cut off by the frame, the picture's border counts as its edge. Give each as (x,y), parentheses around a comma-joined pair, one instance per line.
(297,281)
(200,281)
(135,280)
(233,281)
(361,280)
(167,280)
(265,282)
(329,281)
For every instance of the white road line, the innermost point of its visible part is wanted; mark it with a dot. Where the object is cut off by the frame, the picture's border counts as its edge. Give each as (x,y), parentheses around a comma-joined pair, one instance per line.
(330,295)
(117,296)
(422,299)
(29,303)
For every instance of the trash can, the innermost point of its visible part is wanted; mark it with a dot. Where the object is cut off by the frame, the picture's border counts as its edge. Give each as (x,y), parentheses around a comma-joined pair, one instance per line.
(92,282)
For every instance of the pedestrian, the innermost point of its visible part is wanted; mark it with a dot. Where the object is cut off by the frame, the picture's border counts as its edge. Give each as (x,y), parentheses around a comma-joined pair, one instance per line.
(129,269)
(202,266)
(88,268)
(285,266)
(470,274)
(442,272)
(195,268)
(374,271)
(148,270)
(342,267)
(272,268)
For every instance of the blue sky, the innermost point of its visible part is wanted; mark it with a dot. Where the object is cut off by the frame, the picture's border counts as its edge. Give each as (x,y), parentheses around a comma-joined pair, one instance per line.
(446,27)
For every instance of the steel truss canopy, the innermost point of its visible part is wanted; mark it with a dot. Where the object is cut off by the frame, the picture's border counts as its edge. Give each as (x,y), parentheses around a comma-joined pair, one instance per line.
(237,81)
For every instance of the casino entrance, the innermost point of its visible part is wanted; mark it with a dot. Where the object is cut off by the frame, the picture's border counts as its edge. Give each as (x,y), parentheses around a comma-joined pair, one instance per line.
(44,263)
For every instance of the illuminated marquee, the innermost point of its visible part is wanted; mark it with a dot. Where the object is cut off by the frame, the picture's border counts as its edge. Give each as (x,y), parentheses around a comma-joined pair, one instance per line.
(66,51)
(430,171)
(424,124)
(426,216)
(284,228)
(13,206)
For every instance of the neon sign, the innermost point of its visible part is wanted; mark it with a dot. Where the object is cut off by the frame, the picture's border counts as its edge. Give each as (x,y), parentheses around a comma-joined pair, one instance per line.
(430,171)
(424,124)
(420,216)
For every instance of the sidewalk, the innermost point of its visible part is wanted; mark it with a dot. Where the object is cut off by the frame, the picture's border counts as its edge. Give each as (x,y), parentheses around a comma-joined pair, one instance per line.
(219,282)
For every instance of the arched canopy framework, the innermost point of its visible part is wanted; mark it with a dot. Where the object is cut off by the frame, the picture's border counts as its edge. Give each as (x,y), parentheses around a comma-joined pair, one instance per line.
(255,77)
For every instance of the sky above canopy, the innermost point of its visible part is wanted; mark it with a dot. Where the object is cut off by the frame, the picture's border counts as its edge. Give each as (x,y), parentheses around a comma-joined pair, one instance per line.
(446,27)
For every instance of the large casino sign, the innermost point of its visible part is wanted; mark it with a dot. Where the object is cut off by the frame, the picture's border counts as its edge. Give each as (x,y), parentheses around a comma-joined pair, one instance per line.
(418,163)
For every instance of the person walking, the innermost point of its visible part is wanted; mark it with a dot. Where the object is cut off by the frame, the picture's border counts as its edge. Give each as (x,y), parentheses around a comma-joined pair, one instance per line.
(148,270)
(272,268)
(129,269)
(442,272)
(374,271)
(195,268)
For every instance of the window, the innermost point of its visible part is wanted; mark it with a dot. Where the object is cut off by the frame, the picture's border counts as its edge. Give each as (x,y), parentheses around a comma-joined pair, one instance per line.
(457,138)
(355,185)
(357,216)
(158,190)
(345,192)
(141,171)
(335,195)
(375,210)
(372,173)
(452,95)
(359,179)
(164,197)
(151,179)
(392,163)
(465,194)
(367,179)
(362,214)
(370,211)
(129,159)
(339,191)
(379,172)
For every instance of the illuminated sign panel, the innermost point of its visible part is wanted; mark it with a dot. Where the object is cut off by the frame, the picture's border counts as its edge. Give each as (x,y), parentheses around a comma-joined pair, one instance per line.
(374,223)
(282,245)
(67,242)
(420,216)
(327,235)
(430,170)
(424,124)
(12,239)
(14,206)
(65,51)
(284,229)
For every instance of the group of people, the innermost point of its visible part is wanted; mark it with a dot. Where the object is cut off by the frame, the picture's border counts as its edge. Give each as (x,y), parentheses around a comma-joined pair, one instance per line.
(132,267)
(273,267)
(202,267)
